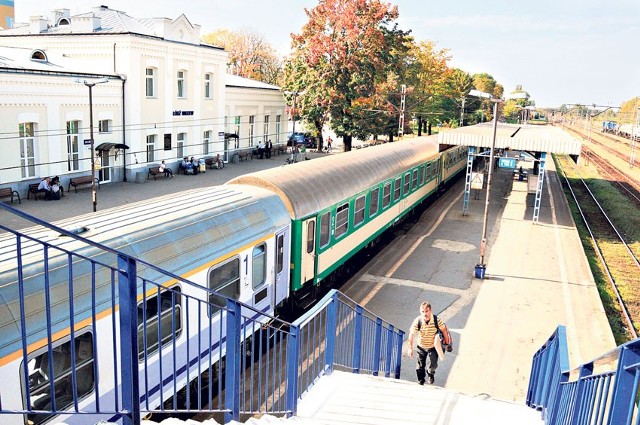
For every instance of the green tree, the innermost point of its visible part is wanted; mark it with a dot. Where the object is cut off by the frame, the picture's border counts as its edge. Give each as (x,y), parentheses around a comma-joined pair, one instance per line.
(348,47)
(459,84)
(250,55)
(427,75)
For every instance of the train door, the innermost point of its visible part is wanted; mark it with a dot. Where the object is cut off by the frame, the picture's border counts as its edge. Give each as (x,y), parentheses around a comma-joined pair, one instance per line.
(260,278)
(308,257)
(281,267)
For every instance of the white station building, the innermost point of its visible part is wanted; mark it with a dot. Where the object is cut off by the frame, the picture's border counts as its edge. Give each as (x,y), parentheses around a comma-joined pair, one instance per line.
(154,90)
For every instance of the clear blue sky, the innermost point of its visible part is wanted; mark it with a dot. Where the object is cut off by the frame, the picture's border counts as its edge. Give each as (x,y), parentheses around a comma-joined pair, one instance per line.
(560,51)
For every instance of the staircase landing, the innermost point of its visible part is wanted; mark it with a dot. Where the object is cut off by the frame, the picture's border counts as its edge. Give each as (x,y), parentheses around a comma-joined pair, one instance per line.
(347,398)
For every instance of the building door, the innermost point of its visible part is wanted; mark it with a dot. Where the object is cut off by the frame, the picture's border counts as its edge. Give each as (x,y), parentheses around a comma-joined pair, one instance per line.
(104,174)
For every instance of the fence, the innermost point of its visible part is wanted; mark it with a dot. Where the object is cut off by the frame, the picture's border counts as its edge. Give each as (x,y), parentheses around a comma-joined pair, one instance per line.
(602,391)
(96,334)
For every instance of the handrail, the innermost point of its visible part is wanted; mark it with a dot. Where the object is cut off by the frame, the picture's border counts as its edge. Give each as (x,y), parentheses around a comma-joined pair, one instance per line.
(159,351)
(601,391)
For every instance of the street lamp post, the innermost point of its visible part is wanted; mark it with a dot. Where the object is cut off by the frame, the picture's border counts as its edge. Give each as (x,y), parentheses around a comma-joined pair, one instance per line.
(480,267)
(295,94)
(485,219)
(90,84)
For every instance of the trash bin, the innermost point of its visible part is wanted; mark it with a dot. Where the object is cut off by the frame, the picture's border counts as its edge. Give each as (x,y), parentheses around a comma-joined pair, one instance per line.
(141,177)
(480,269)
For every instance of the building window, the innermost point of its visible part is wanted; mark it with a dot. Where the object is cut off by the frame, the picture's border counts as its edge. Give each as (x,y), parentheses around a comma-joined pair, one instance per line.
(182,89)
(266,127)
(325,226)
(151,148)
(206,139)
(224,280)
(207,86)
(277,128)
(162,318)
(251,125)
(259,265)
(373,201)
(182,137)
(73,146)
(27,153)
(342,220)
(151,82)
(104,126)
(358,214)
(60,369)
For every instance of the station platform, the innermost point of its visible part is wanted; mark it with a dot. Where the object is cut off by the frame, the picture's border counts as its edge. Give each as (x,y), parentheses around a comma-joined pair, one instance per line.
(537,277)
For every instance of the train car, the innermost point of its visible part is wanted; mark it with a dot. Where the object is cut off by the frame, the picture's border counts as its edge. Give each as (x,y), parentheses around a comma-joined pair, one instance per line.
(231,239)
(342,203)
(627,130)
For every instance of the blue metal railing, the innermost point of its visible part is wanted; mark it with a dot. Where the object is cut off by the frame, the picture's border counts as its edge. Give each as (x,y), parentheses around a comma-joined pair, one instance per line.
(139,340)
(602,391)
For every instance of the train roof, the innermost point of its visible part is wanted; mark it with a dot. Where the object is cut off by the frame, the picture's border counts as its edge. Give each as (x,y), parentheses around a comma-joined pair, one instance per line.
(309,186)
(181,233)
(226,215)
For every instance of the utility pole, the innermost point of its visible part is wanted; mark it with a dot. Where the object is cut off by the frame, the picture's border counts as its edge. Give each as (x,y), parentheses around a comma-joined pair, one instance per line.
(402,107)
(464,99)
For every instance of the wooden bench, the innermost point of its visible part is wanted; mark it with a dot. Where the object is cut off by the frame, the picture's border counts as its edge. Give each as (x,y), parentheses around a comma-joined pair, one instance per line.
(82,180)
(244,155)
(280,149)
(214,163)
(33,190)
(7,192)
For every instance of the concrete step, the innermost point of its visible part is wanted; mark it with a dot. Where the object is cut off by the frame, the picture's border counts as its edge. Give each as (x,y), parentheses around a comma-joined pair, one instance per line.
(346,399)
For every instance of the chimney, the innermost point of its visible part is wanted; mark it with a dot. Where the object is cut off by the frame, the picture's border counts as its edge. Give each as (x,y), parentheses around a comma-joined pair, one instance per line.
(37,24)
(85,23)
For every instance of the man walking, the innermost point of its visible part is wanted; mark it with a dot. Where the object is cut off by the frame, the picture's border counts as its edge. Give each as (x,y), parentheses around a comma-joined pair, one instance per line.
(425,327)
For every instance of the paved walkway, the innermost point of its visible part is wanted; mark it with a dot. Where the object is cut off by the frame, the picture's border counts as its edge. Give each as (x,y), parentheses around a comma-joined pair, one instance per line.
(116,194)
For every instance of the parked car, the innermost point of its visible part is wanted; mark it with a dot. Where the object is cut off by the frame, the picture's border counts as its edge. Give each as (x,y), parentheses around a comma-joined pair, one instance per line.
(302,139)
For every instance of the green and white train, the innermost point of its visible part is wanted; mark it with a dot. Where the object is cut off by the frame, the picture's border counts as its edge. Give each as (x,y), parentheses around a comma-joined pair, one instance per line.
(340,204)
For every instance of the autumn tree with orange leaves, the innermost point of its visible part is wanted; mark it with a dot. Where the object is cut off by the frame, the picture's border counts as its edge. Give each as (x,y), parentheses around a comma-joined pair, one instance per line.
(344,60)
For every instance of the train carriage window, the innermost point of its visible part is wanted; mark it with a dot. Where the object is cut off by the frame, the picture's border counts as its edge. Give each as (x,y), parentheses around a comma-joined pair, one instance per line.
(421,175)
(407,183)
(342,220)
(358,214)
(415,179)
(279,253)
(259,265)
(325,227)
(386,195)
(164,318)
(397,185)
(41,372)
(311,235)
(428,172)
(225,280)
(373,201)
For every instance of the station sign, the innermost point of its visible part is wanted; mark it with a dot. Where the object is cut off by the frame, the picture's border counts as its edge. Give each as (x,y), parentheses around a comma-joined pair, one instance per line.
(507,162)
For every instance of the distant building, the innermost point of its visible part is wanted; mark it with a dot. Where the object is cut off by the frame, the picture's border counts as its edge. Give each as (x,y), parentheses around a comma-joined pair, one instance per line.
(7,13)
(166,96)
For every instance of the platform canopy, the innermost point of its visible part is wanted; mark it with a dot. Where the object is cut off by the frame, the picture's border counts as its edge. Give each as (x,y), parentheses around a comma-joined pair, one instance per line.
(532,138)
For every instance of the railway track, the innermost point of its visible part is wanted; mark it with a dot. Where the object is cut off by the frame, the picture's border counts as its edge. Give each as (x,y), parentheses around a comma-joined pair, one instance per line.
(617,258)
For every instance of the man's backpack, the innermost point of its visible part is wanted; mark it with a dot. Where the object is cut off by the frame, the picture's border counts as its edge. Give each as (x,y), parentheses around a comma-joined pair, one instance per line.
(445,336)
